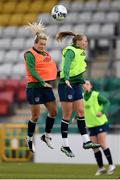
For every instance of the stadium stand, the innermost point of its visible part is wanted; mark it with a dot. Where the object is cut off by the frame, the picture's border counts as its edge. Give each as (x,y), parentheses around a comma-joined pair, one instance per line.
(99,19)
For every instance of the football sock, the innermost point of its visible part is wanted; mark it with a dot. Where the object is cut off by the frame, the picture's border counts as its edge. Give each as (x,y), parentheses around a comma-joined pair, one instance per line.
(108,155)
(64,132)
(98,157)
(82,129)
(49,124)
(64,128)
(65,142)
(31,128)
(81,125)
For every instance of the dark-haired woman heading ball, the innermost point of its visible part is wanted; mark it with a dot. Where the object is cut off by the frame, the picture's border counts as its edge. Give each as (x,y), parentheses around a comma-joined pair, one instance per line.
(70,93)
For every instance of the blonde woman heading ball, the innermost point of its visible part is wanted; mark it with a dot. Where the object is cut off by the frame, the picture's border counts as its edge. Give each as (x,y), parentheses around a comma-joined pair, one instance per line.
(40,71)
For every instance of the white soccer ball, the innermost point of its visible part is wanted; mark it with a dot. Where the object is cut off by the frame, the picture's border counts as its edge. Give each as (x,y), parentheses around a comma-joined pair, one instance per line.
(59,12)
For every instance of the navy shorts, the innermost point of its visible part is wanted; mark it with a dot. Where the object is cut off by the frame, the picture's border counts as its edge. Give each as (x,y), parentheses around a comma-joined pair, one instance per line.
(70,94)
(40,95)
(99,129)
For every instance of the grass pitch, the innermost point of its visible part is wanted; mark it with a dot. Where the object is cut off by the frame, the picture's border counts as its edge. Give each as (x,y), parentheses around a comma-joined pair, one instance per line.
(52,171)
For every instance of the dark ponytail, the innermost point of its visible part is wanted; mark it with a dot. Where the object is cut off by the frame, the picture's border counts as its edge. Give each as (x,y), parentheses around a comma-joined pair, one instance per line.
(62,35)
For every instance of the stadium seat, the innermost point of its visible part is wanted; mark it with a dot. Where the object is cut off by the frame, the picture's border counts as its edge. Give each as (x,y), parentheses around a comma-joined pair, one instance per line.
(5,44)
(11,57)
(9,32)
(52,30)
(56,55)
(11,85)
(48,5)
(30,17)
(85,17)
(103,43)
(72,18)
(2,56)
(80,28)
(76,6)
(117,52)
(23,32)
(93,30)
(2,85)
(117,68)
(21,95)
(4,107)
(4,19)
(16,19)
(65,27)
(36,6)
(115,5)
(18,44)
(99,17)
(111,85)
(21,57)
(113,109)
(104,5)
(23,7)
(66,4)
(105,94)
(107,30)
(29,43)
(5,70)
(112,17)
(1,6)
(90,5)
(44,17)
(114,83)
(50,44)
(6,103)
(116,99)
(1,31)
(8,96)
(18,71)
(9,7)
(61,45)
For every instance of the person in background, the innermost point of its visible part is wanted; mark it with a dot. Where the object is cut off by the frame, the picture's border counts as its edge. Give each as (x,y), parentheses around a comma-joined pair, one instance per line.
(95,108)
(40,71)
(70,90)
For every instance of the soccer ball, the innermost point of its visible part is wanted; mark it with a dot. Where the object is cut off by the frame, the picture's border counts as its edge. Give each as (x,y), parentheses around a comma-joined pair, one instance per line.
(59,12)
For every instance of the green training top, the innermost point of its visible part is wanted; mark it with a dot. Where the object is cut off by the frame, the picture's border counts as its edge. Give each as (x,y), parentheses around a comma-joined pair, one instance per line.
(30,62)
(68,58)
(93,103)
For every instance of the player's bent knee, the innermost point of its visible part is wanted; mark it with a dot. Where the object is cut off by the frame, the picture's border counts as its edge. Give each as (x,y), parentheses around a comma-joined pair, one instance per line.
(35,117)
(53,114)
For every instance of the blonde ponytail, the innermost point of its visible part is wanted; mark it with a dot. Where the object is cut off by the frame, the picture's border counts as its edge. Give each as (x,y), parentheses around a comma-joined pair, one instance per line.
(38,30)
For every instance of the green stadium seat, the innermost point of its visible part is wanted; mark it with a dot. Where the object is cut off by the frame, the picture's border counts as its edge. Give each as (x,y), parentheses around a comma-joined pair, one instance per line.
(113,109)
(115,99)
